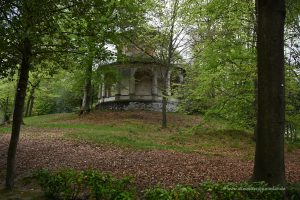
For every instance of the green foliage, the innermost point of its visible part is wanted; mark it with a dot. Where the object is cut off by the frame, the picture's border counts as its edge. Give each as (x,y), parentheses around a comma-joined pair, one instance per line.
(157,193)
(223,191)
(128,131)
(60,93)
(221,80)
(226,191)
(65,184)
(178,193)
(107,187)
(219,191)
(293,191)
(73,185)
(24,19)
(55,94)
(71,35)
(90,184)
(7,90)
(292,83)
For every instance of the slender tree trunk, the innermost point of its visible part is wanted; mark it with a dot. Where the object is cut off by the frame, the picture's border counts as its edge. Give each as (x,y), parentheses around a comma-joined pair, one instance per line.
(164,99)
(92,96)
(27,106)
(164,111)
(269,154)
(30,101)
(86,101)
(31,106)
(18,113)
(6,119)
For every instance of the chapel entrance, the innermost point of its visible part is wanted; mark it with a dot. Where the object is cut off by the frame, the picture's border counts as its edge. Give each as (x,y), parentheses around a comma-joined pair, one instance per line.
(143,82)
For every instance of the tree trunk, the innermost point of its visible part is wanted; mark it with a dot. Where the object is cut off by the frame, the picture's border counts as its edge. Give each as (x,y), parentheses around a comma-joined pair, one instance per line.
(6,117)
(30,101)
(31,106)
(27,106)
(92,95)
(164,112)
(86,101)
(269,154)
(164,104)
(18,113)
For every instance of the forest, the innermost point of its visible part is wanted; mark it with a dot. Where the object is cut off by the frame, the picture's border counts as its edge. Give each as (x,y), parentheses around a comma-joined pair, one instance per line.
(150,99)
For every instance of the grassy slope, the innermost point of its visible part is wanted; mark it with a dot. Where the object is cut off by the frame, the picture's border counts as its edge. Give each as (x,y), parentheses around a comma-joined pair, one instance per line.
(210,137)
(142,131)
(146,134)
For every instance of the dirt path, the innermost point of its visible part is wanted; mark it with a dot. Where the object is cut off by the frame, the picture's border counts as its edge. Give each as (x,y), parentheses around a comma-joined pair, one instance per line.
(166,168)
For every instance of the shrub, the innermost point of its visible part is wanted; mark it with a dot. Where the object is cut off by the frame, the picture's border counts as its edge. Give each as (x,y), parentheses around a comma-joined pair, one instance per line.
(93,185)
(108,187)
(293,191)
(218,191)
(64,184)
(157,193)
(226,191)
(73,185)
(178,193)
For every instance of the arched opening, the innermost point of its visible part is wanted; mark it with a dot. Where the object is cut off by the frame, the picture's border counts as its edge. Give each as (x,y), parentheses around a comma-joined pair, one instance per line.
(143,82)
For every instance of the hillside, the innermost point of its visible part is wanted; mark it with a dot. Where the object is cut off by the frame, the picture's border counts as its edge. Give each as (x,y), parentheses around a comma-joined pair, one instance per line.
(190,151)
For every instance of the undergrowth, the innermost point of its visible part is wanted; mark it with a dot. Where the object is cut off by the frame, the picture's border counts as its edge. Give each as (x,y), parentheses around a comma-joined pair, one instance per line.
(73,185)
(92,185)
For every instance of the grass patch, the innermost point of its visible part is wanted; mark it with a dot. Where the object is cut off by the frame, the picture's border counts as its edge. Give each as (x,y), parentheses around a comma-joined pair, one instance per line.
(42,120)
(5,129)
(142,134)
(142,130)
(210,137)
(133,135)
(17,194)
(25,189)
(293,146)
(126,133)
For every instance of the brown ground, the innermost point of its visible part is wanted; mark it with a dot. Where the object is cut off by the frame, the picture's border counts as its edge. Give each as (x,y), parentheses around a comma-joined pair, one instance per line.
(149,167)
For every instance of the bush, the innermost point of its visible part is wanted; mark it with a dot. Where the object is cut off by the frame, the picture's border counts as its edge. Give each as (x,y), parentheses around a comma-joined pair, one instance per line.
(293,191)
(108,187)
(65,184)
(220,191)
(178,193)
(92,185)
(226,191)
(73,185)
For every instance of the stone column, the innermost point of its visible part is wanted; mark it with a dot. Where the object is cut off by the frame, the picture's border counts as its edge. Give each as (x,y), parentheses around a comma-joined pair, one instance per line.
(100,93)
(154,85)
(108,90)
(103,91)
(118,91)
(181,79)
(132,84)
(118,87)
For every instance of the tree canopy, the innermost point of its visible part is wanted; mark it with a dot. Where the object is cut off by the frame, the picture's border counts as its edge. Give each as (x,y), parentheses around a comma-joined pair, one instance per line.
(55,56)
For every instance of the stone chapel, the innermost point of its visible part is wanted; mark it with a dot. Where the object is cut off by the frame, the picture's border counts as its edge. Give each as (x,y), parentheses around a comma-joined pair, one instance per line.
(139,84)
